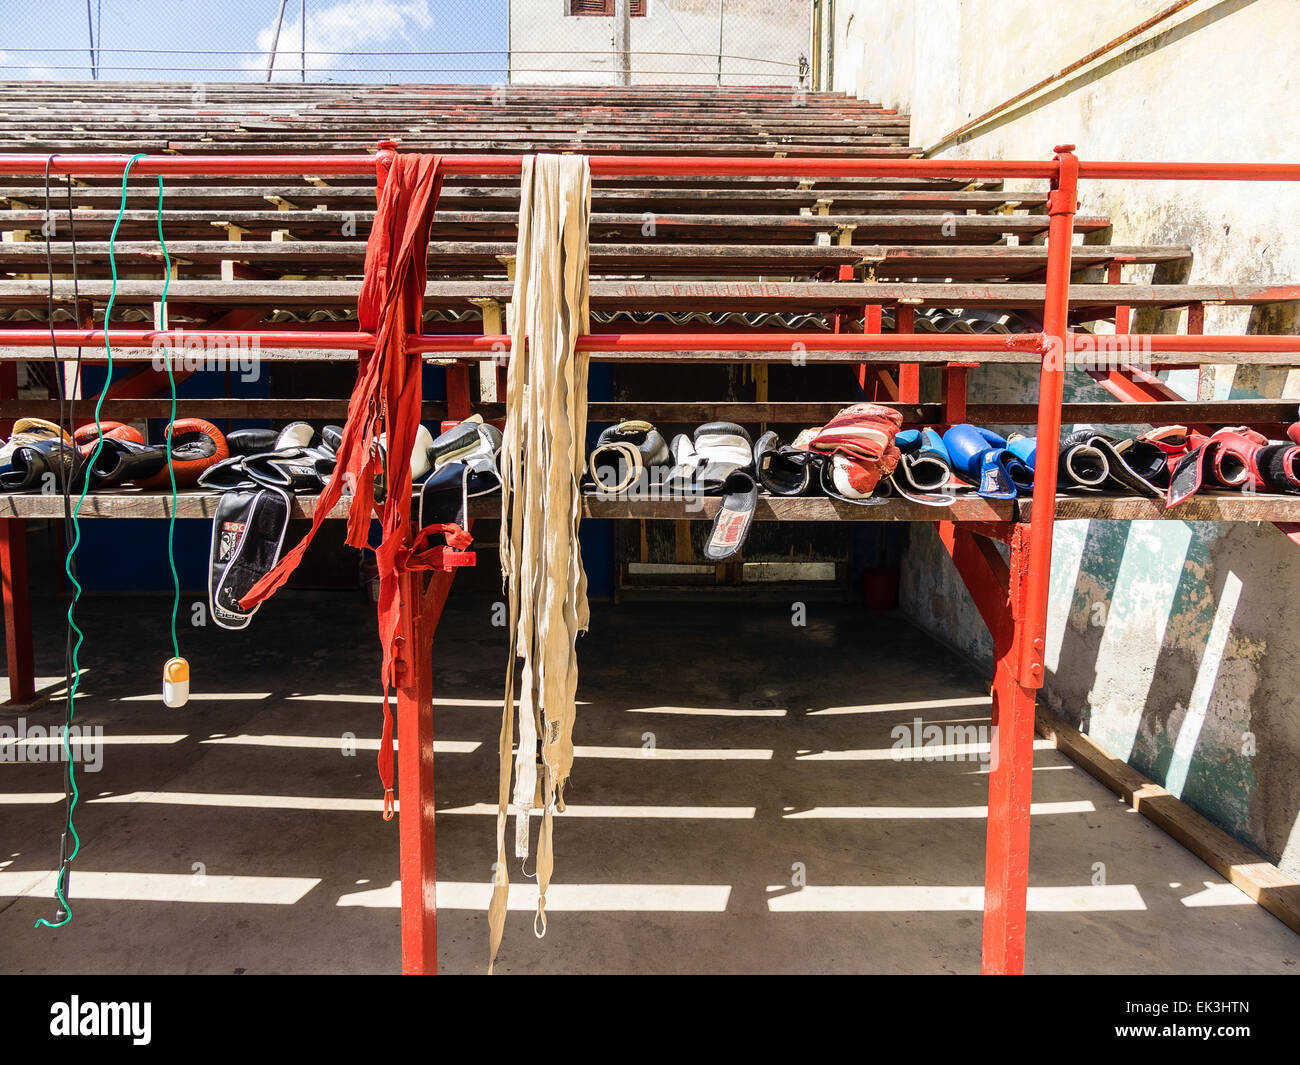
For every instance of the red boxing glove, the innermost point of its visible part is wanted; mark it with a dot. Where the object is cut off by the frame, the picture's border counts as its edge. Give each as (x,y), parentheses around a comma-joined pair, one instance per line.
(87,436)
(860,440)
(1234,462)
(195,445)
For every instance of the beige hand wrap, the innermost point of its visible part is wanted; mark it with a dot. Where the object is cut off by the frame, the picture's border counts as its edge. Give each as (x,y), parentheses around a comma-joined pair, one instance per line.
(541,467)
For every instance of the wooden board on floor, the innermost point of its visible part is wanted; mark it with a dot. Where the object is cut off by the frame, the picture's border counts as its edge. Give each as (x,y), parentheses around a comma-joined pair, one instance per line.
(1237,863)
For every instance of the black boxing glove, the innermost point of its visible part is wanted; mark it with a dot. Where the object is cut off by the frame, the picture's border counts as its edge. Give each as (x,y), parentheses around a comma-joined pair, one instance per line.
(42,466)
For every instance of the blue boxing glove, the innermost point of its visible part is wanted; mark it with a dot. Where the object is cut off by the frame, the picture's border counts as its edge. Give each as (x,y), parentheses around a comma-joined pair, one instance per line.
(1025,448)
(980,457)
(924,465)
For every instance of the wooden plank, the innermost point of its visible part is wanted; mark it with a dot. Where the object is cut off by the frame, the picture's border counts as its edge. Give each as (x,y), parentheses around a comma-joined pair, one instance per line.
(1275,415)
(989,261)
(1238,864)
(813,354)
(675,295)
(132,503)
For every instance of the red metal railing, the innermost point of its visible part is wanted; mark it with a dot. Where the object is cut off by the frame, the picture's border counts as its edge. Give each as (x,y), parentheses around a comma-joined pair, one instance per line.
(1022,597)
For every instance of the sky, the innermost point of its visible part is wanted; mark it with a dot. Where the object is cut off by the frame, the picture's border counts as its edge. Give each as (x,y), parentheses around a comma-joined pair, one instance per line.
(50,39)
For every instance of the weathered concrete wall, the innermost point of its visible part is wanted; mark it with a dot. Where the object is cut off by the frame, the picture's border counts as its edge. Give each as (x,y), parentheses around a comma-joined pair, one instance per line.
(1172,643)
(761,43)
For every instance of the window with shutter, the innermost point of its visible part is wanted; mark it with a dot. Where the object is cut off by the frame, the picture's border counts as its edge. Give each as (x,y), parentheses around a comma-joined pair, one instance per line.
(604,8)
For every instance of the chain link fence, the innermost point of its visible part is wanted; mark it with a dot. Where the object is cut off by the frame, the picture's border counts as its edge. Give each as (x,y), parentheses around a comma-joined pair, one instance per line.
(563,42)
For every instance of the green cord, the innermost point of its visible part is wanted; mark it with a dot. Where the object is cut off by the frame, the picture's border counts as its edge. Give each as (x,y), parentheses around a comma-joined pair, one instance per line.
(72,551)
(171,469)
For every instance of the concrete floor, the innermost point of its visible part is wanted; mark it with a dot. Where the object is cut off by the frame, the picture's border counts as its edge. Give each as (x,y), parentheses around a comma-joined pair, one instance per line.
(234,836)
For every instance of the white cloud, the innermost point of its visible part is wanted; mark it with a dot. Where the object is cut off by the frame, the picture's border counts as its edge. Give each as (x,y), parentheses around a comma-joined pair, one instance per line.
(351,25)
(14,68)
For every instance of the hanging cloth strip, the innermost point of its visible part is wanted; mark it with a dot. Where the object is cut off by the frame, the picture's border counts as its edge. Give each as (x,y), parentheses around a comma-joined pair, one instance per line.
(541,504)
(385,399)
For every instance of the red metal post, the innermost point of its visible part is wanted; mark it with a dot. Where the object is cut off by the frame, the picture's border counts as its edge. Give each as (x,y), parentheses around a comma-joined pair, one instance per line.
(872,320)
(1062,202)
(13,577)
(1011,771)
(909,373)
(1123,312)
(954,391)
(415,778)
(1019,671)
(998,588)
(17,611)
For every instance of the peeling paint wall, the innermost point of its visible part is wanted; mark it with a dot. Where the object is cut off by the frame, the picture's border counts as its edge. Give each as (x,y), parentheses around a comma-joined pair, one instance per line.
(1173,644)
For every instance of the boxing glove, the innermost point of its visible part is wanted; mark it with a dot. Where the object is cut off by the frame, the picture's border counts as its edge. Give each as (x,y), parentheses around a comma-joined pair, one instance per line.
(295,469)
(923,462)
(860,443)
(1279,464)
(724,457)
(1235,460)
(29,431)
(295,434)
(50,464)
(331,436)
(703,461)
(471,441)
(195,445)
(624,452)
(227,475)
(87,436)
(718,459)
(1226,459)
(464,461)
(247,535)
(980,457)
(122,460)
(782,470)
(1082,463)
(1025,448)
(721,449)
(420,465)
(251,441)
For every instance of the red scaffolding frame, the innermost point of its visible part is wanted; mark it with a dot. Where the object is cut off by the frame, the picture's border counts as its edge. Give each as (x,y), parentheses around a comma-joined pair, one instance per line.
(1011,594)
